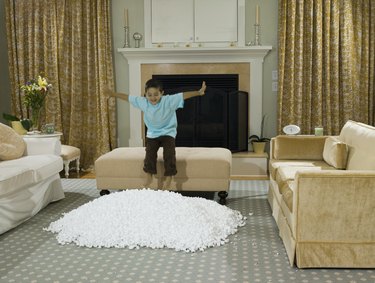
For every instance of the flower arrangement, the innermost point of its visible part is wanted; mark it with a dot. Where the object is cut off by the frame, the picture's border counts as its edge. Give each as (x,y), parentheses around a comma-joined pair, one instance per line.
(35,92)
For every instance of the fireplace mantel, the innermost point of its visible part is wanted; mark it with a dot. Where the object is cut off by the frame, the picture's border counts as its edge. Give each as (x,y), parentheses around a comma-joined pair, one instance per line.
(196,54)
(254,55)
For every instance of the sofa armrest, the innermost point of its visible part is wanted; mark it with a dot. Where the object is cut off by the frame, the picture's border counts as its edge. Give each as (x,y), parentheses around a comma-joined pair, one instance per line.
(297,147)
(37,146)
(334,206)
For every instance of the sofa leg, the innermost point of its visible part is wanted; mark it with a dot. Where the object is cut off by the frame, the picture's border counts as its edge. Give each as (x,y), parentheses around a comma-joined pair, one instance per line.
(222,195)
(104,192)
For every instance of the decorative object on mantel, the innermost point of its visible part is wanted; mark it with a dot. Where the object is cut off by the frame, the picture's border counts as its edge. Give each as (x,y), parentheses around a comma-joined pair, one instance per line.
(35,92)
(126,28)
(256,41)
(137,37)
(126,44)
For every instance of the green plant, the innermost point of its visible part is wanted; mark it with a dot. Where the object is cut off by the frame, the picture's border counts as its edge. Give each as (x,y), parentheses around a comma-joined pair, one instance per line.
(26,123)
(35,92)
(34,95)
(255,138)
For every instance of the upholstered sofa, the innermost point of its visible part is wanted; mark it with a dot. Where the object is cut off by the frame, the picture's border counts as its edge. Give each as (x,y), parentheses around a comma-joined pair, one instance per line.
(29,176)
(322,195)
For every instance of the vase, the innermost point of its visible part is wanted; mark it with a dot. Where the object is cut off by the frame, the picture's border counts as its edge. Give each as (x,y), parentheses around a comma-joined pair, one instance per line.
(35,118)
(259,147)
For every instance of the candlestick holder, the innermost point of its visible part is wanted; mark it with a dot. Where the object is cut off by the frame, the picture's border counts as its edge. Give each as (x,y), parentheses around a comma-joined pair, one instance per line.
(127,38)
(257,34)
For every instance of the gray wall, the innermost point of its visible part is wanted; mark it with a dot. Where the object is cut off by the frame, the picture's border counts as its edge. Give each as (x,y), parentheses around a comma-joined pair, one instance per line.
(268,21)
(4,72)
(136,24)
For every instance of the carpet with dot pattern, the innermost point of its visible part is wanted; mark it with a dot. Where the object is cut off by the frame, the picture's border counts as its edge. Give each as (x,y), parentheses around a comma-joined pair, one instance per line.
(254,254)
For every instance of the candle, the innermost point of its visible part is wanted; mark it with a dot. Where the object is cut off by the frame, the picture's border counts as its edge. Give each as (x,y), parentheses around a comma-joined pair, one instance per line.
(257,15)
(318,131)
(126,18)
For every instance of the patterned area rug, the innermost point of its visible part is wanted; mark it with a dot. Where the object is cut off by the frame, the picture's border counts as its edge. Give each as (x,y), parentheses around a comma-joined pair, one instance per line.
(254,254)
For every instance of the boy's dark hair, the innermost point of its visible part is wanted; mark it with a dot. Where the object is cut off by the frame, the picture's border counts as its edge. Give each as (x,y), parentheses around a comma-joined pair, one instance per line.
(154,83)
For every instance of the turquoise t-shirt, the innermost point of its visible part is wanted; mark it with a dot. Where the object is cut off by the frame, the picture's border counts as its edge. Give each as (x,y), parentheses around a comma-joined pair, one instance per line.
(160,119)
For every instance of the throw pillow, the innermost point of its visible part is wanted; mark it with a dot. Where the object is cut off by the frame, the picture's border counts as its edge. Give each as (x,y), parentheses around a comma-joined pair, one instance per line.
(12,145)
(335,152)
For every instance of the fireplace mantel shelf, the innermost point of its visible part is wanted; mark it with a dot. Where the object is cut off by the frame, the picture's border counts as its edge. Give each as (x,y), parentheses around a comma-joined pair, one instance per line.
(250,52)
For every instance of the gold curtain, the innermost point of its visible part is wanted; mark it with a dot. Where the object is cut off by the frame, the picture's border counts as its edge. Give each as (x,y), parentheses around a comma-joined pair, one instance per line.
(326,63)
(69,42)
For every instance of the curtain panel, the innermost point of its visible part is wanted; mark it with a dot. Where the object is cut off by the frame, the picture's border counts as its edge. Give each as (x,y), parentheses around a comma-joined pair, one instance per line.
(69,42)
(326,63)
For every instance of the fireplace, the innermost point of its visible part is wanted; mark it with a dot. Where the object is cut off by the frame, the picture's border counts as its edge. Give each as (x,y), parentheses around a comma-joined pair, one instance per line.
(145,62)
(217,119)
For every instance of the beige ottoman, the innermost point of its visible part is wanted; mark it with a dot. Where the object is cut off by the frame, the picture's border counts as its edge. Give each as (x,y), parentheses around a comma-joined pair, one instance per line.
(70,153)
(199,169)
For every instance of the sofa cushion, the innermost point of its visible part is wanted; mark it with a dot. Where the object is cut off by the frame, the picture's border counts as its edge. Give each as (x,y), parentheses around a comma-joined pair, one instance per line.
(288,173)
(335,152)
(19,173)
(12,145)
(360,139)
(298,147)
(275,164)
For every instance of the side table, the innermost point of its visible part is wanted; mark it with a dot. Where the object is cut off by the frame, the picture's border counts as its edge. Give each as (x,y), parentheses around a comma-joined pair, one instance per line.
(41,141)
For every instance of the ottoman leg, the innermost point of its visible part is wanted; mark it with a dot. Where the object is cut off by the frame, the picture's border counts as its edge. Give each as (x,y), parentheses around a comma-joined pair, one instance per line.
(77,164)
(222,195)
(66,168)
(104,192)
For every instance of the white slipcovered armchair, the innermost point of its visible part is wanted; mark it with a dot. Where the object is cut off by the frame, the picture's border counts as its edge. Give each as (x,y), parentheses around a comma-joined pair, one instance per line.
(30,181)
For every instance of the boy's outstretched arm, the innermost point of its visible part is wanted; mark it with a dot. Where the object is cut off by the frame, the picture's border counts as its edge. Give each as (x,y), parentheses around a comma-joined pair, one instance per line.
(123,96)
(190,94)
